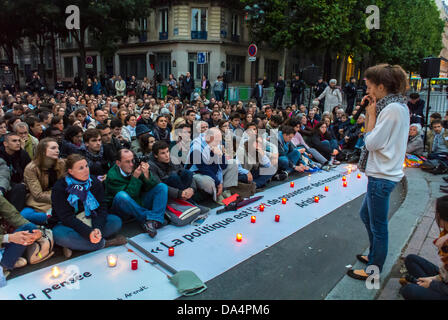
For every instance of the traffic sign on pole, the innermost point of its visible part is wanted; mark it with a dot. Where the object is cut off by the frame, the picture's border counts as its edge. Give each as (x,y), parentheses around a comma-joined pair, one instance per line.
(252,50)
(202,57)
(252,59)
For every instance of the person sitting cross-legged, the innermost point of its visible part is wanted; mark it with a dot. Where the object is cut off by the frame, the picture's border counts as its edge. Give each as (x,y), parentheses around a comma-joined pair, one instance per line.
(131,191)
(79,211)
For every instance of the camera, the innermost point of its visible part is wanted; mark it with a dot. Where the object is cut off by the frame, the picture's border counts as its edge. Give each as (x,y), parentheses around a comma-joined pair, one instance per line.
(139,159)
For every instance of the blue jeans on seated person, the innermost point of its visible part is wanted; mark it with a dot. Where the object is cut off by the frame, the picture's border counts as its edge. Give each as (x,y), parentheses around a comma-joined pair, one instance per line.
(260,180)
(68,238)
(34,216)
(283,161)
(333,144)
(154,205)
(180,181)
(14,251)
(374,213)
(419,267)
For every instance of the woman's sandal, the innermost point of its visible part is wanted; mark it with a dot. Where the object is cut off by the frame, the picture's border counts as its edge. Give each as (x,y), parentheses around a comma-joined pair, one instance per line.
(351,273)
(360,257)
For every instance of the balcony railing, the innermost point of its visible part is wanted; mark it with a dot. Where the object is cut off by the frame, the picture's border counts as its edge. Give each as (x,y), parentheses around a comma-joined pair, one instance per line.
(163,35)
(143,37)
(199,35)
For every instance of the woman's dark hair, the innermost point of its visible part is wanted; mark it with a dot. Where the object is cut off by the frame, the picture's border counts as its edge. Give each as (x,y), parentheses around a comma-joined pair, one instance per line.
(393,78)
(317,127)
(143,141)
(55,120)
(441,209)
(292,122)
(71,132)
(72,159)
(222,123)
(288,130)
(10,123)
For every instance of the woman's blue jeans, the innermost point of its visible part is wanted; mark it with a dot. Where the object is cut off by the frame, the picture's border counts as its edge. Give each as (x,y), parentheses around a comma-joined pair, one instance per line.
(154,204)
(14,251)
(68,238)
(374,213)
(34,216)
(260,180)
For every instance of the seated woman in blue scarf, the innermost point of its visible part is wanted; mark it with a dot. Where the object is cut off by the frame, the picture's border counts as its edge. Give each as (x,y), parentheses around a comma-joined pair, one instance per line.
(80,212)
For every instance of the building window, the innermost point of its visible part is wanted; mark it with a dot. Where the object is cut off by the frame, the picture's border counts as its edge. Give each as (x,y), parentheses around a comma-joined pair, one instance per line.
(197,70)
(199,23)
(164,64)
(143,28)
(235,25)
(271,70)
(163,27)
(68,67)
(236,65)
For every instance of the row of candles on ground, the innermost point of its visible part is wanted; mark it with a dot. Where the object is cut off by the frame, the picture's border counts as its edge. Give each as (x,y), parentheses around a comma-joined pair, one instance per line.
(112,259)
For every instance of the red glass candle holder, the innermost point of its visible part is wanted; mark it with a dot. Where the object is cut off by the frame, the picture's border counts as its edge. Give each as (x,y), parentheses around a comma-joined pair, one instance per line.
(316,199)
(326,189)
(345,184)
(284,201)
(261,208)
(171,251)
(253,219)
(134,264)
(292,184)
(344,178)
(239,237)
(359,176)
(277,218)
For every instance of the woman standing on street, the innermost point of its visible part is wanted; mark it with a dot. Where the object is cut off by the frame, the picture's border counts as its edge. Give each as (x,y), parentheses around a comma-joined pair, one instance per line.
(387,128)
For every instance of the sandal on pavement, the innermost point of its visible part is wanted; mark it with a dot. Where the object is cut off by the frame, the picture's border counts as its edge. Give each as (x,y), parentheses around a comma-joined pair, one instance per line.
(359,275)
(361,258)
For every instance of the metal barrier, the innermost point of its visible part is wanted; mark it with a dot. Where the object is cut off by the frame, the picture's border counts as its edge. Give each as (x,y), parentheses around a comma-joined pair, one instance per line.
(438,102)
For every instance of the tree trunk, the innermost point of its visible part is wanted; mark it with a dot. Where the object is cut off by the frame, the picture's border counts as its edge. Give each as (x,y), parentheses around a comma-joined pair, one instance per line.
(79,38)
(53,53)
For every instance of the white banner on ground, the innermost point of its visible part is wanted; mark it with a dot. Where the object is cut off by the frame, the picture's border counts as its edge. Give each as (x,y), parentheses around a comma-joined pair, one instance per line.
(208,250)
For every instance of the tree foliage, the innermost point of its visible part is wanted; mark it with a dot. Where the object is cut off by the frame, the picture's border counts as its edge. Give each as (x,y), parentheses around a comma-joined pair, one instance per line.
(409,29)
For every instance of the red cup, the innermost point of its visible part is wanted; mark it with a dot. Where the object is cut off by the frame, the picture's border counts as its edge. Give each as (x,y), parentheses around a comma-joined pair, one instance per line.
(277,218)
(171,251)
(134,264)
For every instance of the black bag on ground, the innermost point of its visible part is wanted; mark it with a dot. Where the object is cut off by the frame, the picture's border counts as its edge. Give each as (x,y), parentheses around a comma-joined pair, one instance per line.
(430,165)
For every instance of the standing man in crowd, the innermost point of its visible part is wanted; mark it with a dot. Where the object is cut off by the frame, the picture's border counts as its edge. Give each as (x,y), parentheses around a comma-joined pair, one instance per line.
(8,81)
(279,88)
(350,92)
(296,90)
(257,93)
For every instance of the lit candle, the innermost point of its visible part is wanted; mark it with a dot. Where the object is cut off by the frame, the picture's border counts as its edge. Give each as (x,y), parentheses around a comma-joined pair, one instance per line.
(344,178)
(55,272)
(277,218)
(261,208)
(284,201)
(359,176)
(134,264)
(326,189)
(345,184)
(170,251)
(253,219)
(316,199)
(349,171)
(239,237)
(112,260)
(292,184)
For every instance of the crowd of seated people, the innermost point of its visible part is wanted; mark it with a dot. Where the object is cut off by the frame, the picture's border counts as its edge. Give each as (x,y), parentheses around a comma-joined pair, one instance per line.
(129,155)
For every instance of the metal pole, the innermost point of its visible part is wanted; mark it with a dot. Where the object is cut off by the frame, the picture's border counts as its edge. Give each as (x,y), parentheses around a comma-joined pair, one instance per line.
(427,114)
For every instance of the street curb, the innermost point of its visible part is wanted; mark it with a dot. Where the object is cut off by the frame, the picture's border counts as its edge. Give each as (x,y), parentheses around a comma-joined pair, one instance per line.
(401,227)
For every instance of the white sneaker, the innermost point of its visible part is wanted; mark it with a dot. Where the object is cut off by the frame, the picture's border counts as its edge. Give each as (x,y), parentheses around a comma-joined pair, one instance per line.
(20,263)
(67,252)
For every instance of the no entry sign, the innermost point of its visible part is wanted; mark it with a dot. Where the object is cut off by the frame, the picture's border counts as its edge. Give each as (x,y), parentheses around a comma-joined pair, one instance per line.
(252,50)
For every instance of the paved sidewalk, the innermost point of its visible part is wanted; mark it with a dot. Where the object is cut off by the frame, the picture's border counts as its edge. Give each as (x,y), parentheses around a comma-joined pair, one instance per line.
(422,188)
(421,242)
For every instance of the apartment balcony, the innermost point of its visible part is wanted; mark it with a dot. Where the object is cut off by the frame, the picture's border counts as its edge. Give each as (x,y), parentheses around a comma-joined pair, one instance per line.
(199,35)
(163,35)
